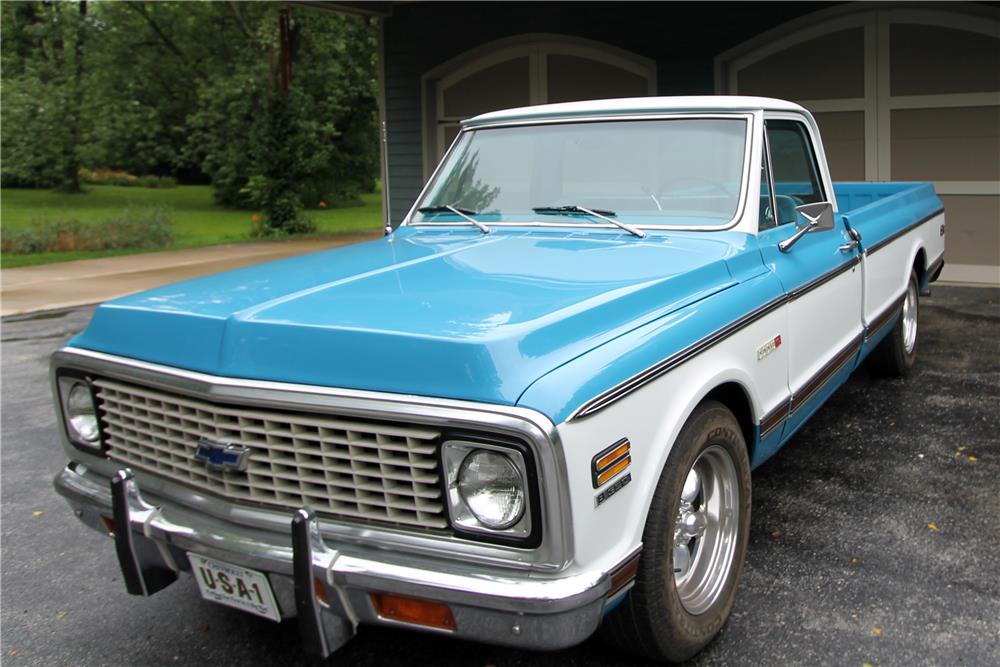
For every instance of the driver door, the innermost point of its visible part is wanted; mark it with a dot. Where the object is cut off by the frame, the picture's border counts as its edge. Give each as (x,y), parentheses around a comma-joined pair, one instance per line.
(820,272)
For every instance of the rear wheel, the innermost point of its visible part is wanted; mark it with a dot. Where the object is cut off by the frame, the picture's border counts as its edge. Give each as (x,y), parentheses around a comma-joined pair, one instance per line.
(897,352)
(694,543)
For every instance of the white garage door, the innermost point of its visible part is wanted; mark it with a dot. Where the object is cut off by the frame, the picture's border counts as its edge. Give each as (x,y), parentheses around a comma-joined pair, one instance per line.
(899,94)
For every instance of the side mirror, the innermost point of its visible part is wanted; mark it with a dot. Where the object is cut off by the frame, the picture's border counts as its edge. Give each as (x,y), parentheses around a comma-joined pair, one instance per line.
(809,218)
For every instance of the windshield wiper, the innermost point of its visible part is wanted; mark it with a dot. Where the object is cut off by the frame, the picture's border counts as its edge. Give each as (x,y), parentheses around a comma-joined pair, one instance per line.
(460,212)
(596,212)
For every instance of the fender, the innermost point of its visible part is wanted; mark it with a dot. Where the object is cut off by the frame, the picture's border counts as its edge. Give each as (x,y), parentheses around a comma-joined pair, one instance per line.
(652,415)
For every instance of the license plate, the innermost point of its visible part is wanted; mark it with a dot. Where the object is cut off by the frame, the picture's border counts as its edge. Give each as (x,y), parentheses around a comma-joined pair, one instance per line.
(234,586)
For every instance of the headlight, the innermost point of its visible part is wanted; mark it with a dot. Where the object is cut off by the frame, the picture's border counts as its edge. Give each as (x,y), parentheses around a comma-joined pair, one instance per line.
(79,411)
(488,489)
(491,486)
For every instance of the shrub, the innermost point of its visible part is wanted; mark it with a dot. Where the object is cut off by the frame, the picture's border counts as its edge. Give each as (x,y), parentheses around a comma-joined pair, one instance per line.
(113,177)
(132,228)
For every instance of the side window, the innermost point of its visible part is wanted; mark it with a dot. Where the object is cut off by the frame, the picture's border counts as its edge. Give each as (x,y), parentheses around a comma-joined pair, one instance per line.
(766,219)
(796,176)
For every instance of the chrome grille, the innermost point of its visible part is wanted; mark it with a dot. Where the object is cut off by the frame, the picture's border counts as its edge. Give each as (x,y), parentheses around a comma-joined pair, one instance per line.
(342,467)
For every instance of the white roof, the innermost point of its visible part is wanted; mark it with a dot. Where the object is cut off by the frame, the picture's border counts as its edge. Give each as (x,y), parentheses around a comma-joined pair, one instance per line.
(636,105)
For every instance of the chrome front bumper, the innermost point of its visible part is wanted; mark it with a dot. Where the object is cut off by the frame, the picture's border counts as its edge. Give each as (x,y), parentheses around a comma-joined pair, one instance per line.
(329,590)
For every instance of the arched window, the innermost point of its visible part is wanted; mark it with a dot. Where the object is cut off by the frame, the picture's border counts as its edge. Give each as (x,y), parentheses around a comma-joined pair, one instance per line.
(901,93)
(527,70)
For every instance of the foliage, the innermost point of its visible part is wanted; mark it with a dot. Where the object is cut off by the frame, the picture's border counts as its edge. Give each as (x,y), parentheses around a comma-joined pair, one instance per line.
(125,179)
(41,94)
(197,219)
(131,228)
(187,91)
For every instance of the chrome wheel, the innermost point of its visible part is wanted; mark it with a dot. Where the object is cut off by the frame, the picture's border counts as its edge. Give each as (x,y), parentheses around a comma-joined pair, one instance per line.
(706,530)
(910,318)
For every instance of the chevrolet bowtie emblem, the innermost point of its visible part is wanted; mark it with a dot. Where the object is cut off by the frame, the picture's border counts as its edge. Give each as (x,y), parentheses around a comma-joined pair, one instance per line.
(222,456)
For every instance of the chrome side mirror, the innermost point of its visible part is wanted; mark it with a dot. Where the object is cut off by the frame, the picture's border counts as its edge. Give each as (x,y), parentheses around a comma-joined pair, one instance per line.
(809,218)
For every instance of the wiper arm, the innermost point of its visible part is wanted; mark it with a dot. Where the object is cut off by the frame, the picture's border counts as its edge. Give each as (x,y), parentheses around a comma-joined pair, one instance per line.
(596,212)
(460,212)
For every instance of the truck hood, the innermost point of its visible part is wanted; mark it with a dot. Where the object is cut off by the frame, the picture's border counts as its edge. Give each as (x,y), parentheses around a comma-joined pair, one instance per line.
(448,313)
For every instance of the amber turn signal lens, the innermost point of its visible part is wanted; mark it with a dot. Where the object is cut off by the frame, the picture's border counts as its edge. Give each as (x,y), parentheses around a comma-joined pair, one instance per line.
(411,610)
(109,524)
(618,467)
(319,588)
(608,459)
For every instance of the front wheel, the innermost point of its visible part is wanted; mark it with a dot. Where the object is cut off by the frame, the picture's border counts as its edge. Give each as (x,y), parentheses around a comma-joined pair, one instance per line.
(694,543)
(897,352)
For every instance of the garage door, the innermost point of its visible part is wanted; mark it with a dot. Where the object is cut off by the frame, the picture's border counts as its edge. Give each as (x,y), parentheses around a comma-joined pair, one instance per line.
(905,94)
(532,71)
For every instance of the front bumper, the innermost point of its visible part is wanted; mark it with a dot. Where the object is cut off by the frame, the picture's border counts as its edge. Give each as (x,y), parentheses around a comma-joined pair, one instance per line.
(329,590)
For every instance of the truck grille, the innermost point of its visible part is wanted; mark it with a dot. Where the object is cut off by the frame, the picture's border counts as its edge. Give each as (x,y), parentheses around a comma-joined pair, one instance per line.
(342,467)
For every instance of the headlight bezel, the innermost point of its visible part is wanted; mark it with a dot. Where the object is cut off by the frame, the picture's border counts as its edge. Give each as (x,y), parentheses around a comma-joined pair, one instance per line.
(526,531)
(66,380)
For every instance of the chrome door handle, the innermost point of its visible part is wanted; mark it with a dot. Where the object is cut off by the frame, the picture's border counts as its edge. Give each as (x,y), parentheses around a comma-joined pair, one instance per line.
(848,247)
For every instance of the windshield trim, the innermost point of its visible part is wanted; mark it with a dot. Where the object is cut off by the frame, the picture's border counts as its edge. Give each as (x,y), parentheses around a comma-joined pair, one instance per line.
(748,116)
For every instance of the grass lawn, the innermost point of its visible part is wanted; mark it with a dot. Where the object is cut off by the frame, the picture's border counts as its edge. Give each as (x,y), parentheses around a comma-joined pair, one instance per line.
(197,220)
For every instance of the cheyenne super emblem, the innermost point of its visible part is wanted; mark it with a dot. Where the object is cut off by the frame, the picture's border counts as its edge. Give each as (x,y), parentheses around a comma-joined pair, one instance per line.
(768,347)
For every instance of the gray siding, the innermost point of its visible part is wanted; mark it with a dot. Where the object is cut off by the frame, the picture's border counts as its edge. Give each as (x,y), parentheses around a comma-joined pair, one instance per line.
(682,38)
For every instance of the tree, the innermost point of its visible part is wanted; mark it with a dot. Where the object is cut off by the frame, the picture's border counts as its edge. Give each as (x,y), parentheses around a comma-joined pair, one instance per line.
(43,93)
(186,90)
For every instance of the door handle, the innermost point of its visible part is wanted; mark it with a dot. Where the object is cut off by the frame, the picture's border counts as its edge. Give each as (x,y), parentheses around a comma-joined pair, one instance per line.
(849,246)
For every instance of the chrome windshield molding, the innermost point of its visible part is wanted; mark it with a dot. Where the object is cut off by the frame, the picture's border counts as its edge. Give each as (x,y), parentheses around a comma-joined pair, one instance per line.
(606,118)
(747,115)
(642,378)
(535,429)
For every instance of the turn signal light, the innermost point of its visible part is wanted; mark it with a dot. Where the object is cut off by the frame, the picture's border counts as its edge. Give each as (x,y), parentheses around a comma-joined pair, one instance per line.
(109,524)
(319,588)
(610,462)
(412,610)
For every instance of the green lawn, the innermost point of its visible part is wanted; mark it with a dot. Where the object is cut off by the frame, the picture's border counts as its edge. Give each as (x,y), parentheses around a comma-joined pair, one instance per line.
(197,220)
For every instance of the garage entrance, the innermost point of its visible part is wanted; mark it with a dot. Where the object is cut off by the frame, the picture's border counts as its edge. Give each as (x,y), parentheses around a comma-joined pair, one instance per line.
(899,94)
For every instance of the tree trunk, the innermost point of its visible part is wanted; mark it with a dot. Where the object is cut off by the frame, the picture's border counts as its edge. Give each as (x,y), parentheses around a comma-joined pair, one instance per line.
(71,150)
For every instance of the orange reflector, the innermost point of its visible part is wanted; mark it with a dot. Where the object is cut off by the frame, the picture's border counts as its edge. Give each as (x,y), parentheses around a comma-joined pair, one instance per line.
(411,610)
(608,459)
(320,590)
(618,467)
(109,524)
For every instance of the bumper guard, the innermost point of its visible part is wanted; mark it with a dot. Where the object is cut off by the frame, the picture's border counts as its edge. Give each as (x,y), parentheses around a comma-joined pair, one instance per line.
(330,591)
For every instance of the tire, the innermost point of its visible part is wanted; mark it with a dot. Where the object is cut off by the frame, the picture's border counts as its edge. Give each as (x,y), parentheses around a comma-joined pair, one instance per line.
(897,352)
(668,616)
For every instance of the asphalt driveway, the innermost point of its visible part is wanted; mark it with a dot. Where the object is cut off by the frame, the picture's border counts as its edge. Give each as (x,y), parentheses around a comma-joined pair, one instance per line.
(875,535)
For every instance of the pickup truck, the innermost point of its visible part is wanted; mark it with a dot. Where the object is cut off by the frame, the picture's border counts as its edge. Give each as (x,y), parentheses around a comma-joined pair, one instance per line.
(530,410)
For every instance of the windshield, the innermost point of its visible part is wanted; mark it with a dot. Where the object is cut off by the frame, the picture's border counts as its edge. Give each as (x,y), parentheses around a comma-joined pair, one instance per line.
(673,172)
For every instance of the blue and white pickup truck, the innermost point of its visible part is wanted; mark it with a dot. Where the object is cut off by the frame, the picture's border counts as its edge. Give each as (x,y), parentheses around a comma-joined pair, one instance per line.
(530,410)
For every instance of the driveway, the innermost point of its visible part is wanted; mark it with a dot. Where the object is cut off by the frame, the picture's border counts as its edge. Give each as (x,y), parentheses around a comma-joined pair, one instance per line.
(66,284)
(875,534)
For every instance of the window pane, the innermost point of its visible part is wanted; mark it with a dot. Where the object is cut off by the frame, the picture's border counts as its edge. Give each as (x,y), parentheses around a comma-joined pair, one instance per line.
(502,86)
(795,174)
(958,144)
(843,135)
(928,60)
(572,78)
(766,218)
(828,67)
